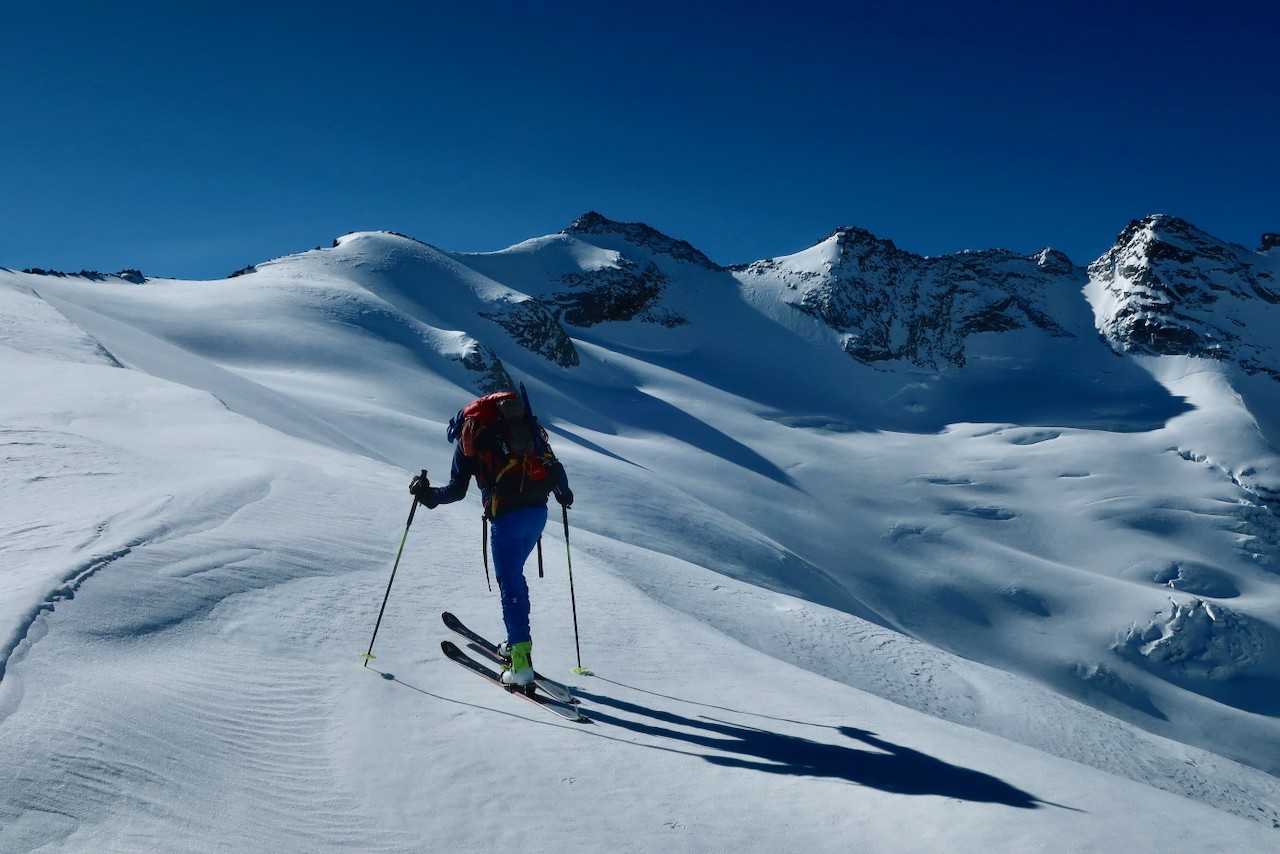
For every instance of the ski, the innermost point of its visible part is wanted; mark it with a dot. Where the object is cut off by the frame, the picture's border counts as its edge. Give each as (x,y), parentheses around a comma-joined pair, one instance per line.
(490,650)
(565,710)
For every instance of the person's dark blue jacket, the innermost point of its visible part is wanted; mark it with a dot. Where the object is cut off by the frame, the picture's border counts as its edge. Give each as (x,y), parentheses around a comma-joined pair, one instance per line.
(464,468)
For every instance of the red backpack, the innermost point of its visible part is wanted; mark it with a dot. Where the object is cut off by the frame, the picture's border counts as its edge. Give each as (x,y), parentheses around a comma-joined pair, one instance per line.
(512,451)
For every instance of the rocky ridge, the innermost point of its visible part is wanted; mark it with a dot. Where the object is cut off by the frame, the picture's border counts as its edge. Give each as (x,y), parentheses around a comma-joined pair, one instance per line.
(1164,288)
(592,224)
(1168,288)
(627,290)
(894,306)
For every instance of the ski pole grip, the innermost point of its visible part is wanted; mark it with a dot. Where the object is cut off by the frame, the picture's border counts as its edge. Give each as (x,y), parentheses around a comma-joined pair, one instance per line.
(413,508)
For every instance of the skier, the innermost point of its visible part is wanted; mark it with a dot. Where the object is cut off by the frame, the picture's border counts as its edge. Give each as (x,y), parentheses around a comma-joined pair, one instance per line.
(504,448)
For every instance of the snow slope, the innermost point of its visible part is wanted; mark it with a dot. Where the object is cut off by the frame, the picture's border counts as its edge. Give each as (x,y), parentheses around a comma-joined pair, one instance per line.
(1026,606)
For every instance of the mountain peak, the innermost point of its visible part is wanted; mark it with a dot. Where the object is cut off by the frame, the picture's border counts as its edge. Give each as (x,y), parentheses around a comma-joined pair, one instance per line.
(593,222)
(641,235)
(1054,261)
(850,236)
(1168,288)
(1165,236)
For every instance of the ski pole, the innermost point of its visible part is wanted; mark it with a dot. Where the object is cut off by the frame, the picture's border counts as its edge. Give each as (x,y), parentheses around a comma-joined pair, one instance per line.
(573,601)
(369,656)
(484,549)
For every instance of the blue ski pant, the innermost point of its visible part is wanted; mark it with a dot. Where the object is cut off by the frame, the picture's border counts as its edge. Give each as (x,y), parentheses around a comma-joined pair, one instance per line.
(512,537)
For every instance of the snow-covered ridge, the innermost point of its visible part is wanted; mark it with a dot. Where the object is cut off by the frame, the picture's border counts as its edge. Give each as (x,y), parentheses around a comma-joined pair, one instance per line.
(1168,288)
(1165,288)
(892,306)
(991,563)
(638,234)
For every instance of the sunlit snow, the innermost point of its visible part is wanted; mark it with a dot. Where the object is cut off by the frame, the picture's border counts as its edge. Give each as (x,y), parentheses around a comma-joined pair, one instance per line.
(1024,604)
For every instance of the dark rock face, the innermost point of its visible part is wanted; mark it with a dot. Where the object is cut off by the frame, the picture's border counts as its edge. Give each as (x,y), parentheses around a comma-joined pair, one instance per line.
(896,306)
(531,325)
(625,292)
(134,276)
(493,374)
(1172,289)
(641,235)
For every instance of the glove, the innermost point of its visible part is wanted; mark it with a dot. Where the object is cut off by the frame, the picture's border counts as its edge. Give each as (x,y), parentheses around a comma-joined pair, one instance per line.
(422,490)
(564,496)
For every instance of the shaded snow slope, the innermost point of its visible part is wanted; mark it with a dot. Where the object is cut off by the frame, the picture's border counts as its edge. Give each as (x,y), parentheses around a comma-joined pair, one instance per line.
(988,596)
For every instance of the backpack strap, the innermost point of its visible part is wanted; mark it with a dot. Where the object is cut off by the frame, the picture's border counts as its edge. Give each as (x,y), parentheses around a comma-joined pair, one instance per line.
(484,547)
(454,430)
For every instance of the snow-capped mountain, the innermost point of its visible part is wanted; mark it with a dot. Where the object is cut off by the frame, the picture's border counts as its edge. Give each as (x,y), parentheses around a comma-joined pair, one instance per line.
(1167,288)
(983,504)
(891,305)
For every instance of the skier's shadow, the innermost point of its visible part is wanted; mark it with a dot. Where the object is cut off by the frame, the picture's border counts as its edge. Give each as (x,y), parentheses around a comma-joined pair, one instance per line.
(888,767)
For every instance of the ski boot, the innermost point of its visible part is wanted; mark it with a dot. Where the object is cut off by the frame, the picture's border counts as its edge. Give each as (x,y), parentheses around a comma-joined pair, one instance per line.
(518,675)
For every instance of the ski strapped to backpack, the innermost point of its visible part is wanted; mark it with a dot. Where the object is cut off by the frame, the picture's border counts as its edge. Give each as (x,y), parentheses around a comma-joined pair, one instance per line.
(516,467)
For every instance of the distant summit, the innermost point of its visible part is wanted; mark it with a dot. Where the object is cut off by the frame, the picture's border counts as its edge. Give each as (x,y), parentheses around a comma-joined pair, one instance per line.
(1167,288)
(858,242)
(889,305)
(641,235)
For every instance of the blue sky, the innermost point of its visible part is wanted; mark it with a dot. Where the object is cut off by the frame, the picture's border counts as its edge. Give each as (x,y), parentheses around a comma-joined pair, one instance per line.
(190,140)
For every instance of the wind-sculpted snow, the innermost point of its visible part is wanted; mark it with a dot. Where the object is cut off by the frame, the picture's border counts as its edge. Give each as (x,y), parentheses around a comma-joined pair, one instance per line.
(1213,650)
(1202,640)
(1011,565)
(1187,576)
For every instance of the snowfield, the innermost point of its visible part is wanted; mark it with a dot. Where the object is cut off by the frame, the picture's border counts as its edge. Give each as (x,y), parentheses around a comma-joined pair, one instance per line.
(1029,604)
